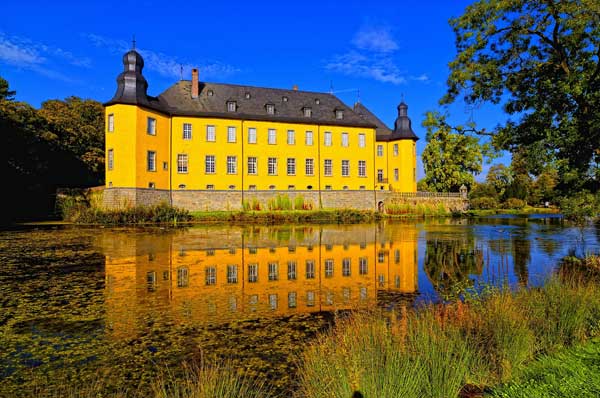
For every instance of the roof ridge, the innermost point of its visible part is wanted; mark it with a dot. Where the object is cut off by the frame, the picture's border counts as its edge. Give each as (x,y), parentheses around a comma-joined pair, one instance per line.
(260,87)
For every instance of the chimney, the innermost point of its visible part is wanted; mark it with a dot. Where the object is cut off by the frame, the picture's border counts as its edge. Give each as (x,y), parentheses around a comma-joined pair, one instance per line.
(295,88)
(195,83)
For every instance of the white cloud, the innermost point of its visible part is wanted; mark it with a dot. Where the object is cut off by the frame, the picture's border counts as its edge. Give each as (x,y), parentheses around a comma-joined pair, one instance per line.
(372,57)
(375,39)
(164,64)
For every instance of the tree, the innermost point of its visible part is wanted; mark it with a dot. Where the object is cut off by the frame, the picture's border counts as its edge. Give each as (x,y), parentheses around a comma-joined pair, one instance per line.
(500,177)
(451,158)
(5,93)
(539,59)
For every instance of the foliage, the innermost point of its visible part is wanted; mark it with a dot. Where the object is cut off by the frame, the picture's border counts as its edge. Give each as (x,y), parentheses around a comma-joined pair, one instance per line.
(280,202)
(539,60)
(484,203)
(5,93)
(482,190)
(580,207)
(421,209)
(514,203)
(422,186)
(450,159)
(161,213)
(499,178)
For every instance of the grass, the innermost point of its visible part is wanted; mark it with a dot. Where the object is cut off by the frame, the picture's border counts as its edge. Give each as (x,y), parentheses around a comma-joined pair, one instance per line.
(439,350)
(161,213)
(419,210)
(345,216)
(573,372)
(524,211)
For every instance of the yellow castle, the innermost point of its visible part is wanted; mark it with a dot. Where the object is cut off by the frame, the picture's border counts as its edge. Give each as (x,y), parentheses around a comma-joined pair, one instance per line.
(214,146)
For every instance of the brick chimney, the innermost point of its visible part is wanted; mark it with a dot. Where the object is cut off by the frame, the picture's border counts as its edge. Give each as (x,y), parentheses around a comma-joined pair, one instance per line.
(295,88)
(195,83)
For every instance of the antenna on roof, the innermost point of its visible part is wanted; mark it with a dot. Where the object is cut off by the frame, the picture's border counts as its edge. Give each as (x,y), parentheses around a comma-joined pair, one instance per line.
(358,95)
(180,72)
(331,87)
(133,42)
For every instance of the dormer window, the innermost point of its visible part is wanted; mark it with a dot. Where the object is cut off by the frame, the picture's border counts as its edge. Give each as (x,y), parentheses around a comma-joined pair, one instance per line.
(307,111)
(339,114)
(247,95)
(210,93)
(270,109)
(284,99)
(317,101)
(231,106)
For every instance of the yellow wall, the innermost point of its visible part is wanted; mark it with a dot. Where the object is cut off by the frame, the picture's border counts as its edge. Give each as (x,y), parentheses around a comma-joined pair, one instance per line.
(130,155)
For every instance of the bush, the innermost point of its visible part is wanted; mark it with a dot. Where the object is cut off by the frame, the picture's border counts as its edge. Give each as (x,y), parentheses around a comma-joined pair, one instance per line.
(484,203)
(514,203)
(580,207)
(161,213)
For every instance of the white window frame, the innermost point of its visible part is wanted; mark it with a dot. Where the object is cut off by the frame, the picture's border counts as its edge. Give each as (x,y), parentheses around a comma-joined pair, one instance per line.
(231,106)
(339,114)
(274,271)
(345,168)
(379,150)
(362,168)
(270,109)
(272,137)
(363,266)
(182,163)
(231,164)
(327,138)
(395,149)
(251,135)
(308,138)
(211,133)
(292,300)
(272,167)
(396,175)
(307,112)
(231,134)
(292,268)
(151,126)
(346,267)
(111,123)
(110,159)
(310,269)
(380,176)
(291,166)
(345,140)
(210,164)
(309,167)
(252,165)
(187,131)
(253,273)
(150,160)
(362,140)
(232,273)
(291,137)
(210,275)
(328,167)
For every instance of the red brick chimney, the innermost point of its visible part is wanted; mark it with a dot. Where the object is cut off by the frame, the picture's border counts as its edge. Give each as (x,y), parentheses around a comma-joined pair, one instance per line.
(195,86)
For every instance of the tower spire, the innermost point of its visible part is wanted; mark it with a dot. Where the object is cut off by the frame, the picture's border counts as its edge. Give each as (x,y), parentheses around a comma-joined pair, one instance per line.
(133,42)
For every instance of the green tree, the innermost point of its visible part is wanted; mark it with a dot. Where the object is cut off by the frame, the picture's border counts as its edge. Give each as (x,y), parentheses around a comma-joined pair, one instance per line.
(500,177)
(540,60)
(5,93)
(451,157)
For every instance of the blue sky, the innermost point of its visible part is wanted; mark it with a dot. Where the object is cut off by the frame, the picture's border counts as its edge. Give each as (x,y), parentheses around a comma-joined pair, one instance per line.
(382,50)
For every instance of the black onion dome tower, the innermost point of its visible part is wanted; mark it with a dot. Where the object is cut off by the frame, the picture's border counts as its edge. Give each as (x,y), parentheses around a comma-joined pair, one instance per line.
(132,87)
(402,128)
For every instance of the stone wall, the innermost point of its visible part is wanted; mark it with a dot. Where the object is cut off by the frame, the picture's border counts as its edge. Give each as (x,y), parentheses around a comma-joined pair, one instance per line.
(114,198)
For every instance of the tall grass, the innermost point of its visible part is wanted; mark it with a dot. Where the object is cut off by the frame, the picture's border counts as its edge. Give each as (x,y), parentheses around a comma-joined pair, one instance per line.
(421,209)
(161,213)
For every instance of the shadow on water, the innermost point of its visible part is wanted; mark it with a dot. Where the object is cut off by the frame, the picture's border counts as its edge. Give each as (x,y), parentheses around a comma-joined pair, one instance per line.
(129,302)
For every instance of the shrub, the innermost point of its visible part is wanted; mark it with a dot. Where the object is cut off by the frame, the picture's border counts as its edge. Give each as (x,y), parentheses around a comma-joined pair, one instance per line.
(580,207)
(280,202)
(161,213)
(484,203)
(514,203)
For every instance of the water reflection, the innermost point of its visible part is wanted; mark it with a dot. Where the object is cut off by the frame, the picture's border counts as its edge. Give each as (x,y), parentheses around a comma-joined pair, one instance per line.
(219,274)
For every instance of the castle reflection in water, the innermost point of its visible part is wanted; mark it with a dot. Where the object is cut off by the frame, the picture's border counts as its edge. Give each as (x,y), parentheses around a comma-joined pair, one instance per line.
(215,275)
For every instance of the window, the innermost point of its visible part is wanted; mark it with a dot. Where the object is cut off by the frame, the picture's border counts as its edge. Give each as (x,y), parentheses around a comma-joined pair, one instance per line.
(346,267)
(182,163)
(307,112)
(273,301)
(252,187)
(209,164)
(111,123)
(363,266)
(210,133)
(381,257)
(310,298)
(339,114)
(317,101)
(291,187)
(181,186)
(284,99)
(182,277)
(151,185)
(270,109)
(151,160)
(327,167)
(310,269)
(210,187)
(273,271)
(345,168)
(362,168)
(328,187)
(210,93)
(291,270)
(395,149)
(252,273)
(328,268)
(231,136)
(187,131)
(151,126)
(397,281)
(396,175)
(344,139)
(291,166)
(272,136)
(110,161)
(247,95)
(151,281)
(231,165)
(251,165)
(346,294)
(327,138)
(380,150)
(272,166)
(363,293)
(308,138)
(381,280)
(397,256)
(291,137)
(362,142)
(165,166)
(310,167)
(232,274)
(379,175)
(231,106)
(251,135)
(292,300)
(211,275)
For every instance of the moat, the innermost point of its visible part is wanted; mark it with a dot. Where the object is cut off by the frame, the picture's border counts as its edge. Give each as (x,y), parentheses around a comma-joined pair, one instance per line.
(124,303)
